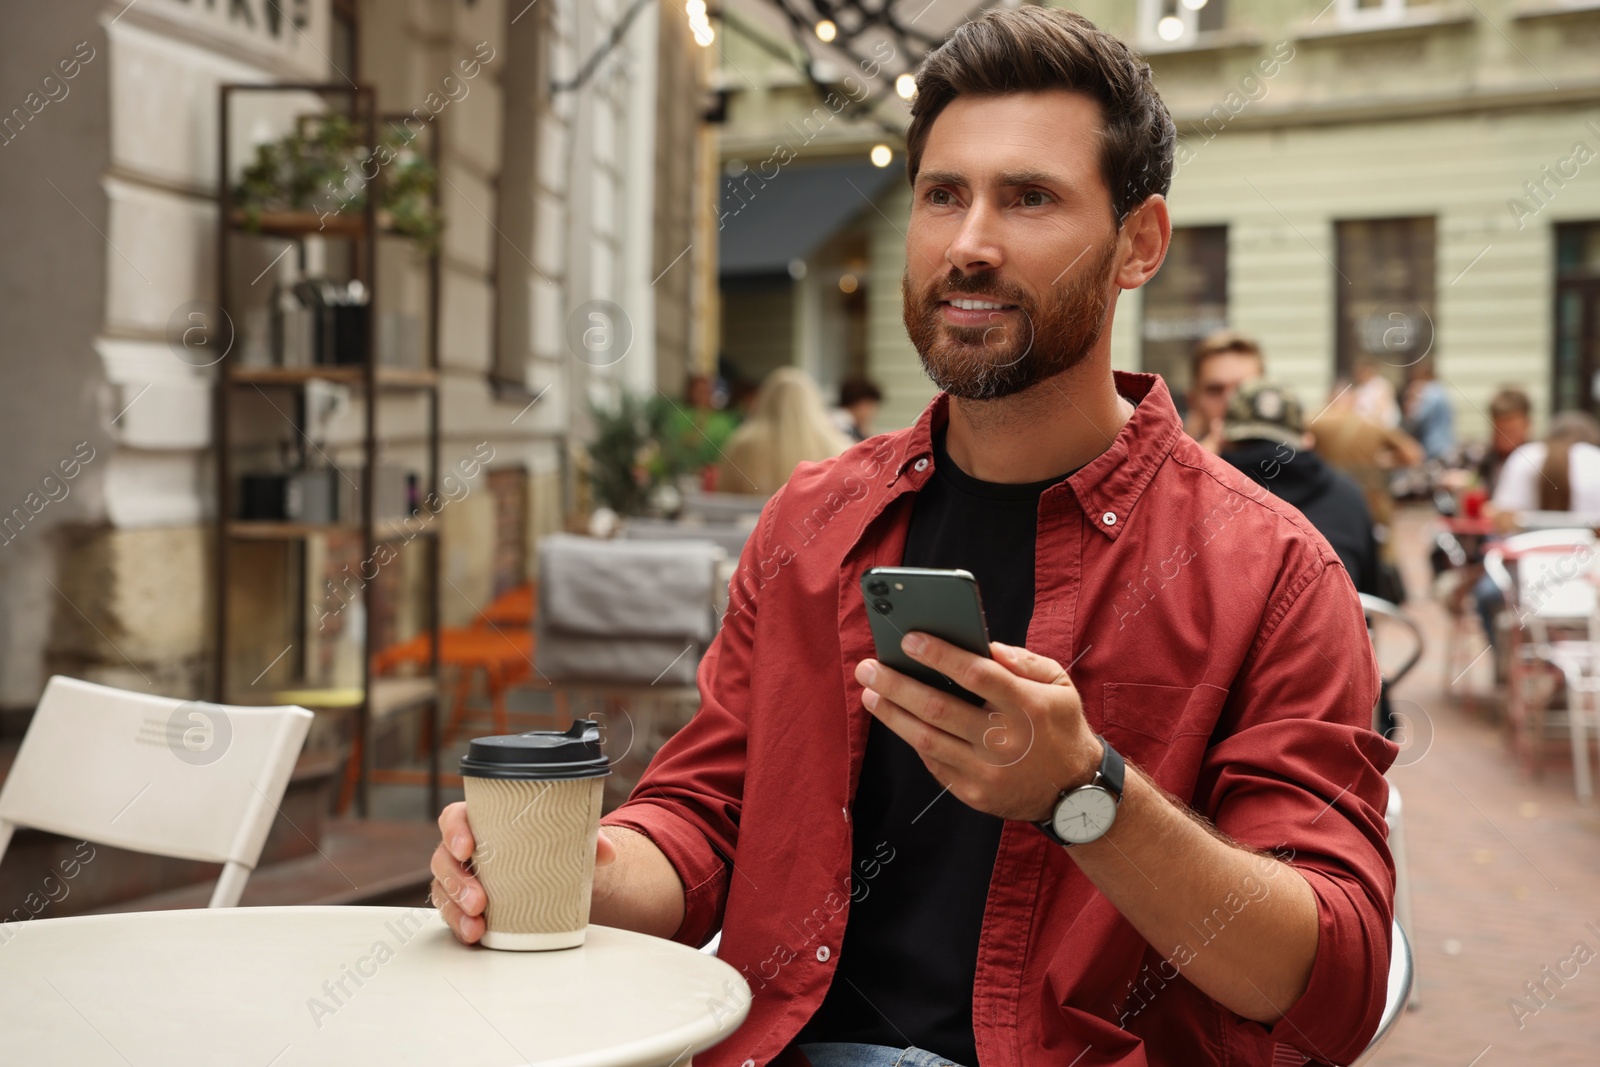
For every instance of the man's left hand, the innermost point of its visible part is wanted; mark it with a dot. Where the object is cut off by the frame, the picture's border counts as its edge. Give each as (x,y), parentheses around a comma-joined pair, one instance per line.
(1012,757)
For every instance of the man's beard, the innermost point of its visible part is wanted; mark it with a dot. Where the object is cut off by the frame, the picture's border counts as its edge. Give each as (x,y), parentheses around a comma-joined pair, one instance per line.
(1023,347)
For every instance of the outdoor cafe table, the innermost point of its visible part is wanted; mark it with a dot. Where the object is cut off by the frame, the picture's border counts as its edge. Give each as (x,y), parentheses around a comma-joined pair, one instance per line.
(278,987)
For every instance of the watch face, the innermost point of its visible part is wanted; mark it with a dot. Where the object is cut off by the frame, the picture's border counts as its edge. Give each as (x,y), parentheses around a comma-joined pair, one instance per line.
(1085,814)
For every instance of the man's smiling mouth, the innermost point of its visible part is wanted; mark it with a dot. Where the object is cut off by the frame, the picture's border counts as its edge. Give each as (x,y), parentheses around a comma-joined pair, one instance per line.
(967,304)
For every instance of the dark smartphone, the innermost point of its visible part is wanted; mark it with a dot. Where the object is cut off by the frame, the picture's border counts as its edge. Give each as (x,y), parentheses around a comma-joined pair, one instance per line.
(943,603)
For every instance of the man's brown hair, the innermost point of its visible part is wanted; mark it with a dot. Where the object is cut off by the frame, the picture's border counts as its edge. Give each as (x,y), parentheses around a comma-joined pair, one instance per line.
(1510,401)
(1031,49)
(1218,342)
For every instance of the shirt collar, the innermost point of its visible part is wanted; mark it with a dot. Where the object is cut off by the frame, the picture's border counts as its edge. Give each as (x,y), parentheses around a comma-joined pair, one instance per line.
(1108,486)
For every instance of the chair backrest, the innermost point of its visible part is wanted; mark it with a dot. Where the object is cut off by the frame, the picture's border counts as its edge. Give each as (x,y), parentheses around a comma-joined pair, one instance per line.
(1379,612)
(1553,581)
(625,611)
(153,774)
(724,507)
(728,536)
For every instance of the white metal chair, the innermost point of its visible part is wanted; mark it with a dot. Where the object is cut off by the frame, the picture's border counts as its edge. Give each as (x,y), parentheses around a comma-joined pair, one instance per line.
(1402,985)
(1551,593)
(153,774)
(1382,613)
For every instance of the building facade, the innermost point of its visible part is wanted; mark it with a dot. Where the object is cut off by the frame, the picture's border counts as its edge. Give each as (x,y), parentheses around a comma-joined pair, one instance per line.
(570,152)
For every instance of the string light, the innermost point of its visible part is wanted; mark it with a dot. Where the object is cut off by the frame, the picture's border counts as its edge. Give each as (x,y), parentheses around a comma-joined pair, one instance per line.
(826,31)
(906,86)
(882,155)
(700,22)
(1170,28)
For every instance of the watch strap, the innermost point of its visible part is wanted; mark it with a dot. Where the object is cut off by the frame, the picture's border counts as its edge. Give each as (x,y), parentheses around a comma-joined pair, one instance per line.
(1113,771)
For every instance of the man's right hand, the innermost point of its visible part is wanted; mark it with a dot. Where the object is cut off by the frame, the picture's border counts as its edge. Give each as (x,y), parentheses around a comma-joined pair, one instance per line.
(456,892)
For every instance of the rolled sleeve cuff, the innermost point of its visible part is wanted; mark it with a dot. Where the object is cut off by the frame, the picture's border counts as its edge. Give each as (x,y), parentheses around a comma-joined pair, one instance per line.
(702,871)
(1335,1018)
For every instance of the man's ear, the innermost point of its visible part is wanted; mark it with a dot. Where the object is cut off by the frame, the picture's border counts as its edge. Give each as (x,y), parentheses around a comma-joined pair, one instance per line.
(1145,235)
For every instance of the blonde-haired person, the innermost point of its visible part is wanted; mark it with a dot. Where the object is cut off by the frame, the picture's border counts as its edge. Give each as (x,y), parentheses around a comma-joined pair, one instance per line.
(788,425)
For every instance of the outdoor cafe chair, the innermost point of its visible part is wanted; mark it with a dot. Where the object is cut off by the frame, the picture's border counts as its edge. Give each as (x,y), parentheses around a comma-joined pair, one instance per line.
(1383,616)
(180,778)
(1551,598)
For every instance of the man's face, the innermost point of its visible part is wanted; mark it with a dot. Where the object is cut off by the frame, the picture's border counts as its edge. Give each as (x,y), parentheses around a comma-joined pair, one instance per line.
(1009,213)
(1510,432)
(1219,377)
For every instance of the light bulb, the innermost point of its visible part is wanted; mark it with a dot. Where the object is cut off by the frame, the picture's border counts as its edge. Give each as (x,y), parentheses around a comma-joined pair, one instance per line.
(882,155)
(826,31)
(906,86)
(1170,28)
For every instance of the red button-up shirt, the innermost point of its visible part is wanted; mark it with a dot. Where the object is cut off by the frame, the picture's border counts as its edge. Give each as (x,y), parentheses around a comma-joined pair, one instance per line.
(1218,644)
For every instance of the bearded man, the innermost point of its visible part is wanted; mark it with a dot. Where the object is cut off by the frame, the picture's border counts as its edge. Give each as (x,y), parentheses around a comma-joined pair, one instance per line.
(883,860)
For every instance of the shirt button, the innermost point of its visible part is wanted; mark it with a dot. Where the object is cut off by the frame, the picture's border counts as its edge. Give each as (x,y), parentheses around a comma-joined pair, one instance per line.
(1109,518)
(748,1063)
(822,954)
(921,464)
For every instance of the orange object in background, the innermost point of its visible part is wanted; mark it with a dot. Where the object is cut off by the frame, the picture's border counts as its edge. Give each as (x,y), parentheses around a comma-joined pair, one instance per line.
(498,644)
(1473,500)
(514,607)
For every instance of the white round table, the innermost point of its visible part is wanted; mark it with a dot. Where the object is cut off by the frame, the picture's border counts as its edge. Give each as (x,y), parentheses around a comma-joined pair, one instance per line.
(278,987)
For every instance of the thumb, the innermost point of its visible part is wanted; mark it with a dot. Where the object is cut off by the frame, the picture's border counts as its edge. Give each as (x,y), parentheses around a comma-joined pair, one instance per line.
(605,851)
(1029,665)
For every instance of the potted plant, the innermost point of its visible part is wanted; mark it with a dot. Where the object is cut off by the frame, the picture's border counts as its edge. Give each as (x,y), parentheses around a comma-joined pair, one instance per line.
(636,460)
(321,168)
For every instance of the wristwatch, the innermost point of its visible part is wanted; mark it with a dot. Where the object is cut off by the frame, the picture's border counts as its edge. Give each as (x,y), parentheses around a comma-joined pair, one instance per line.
(1085,813)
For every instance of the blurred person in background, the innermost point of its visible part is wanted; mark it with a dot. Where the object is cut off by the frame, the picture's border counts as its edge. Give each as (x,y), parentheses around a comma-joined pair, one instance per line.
(701,429)
(1265,437)
(1220,362)
(1372,395)
(1428,417)
(1560,473)
(1369,454)
(788,425)
(859,400)
(1511,422)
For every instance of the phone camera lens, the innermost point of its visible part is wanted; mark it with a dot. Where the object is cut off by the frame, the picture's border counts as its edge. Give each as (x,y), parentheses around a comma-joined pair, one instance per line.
(878,587)
(883,606)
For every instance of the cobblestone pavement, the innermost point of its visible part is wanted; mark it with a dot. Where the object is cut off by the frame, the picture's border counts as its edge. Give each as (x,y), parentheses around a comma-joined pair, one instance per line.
(1505,872)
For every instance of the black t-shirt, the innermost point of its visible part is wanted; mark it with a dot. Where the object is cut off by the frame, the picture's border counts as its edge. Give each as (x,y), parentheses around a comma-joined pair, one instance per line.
(910,952)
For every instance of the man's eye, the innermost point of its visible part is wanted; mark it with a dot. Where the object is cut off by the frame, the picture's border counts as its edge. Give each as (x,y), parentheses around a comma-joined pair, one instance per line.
(936,196)
(1033,198)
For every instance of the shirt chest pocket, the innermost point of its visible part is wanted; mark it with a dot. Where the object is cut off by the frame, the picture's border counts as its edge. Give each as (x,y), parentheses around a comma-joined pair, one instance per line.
(1162,729)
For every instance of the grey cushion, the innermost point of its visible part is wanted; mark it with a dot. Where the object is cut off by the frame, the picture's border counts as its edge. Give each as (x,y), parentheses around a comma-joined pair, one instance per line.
(624,611)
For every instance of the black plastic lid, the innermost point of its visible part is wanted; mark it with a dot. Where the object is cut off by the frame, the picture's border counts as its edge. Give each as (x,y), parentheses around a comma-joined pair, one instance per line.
(539,755)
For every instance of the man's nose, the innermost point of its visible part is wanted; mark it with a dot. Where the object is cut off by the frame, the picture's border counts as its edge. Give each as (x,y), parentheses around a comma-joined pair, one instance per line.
(976,244)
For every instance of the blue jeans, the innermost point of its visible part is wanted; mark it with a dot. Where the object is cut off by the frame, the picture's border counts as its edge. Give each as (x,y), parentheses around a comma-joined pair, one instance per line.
(847,1054)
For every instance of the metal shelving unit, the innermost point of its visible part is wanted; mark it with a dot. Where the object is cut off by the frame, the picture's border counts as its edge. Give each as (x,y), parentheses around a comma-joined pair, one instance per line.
(376,699)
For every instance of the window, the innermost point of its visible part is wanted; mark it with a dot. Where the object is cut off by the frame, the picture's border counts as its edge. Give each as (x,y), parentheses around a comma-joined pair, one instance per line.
(1385,301)
(345,39)
(1575,377)
(1186,300)
(1376,12)
(1177,23)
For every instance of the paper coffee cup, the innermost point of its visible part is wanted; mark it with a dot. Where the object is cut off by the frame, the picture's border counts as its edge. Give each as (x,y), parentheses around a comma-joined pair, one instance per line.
(533,802)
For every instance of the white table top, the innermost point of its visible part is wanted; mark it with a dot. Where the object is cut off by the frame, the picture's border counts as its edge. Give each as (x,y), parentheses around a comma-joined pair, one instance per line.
(262,987)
